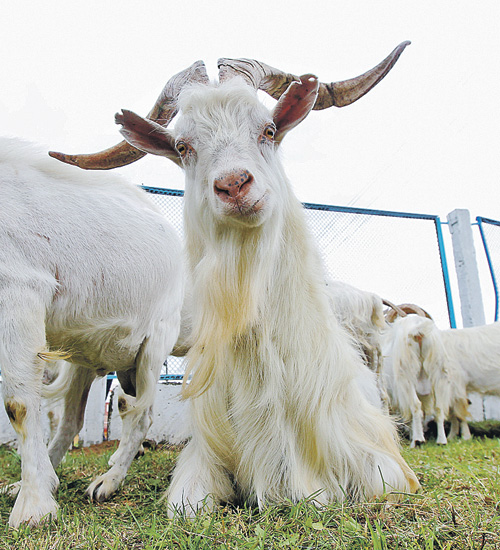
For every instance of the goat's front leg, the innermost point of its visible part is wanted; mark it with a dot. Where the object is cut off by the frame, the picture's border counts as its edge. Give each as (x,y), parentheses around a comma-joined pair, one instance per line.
(22,371)
(198,482)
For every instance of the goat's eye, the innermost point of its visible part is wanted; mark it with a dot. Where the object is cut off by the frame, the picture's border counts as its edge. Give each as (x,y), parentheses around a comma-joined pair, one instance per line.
(182,148)
(268,134)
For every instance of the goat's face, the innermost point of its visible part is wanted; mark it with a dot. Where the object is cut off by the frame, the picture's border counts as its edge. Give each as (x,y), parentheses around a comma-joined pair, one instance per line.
(226,140)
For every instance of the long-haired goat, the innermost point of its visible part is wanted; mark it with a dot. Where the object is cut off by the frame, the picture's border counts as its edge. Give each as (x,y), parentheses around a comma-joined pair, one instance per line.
(277,411)
(88,266)
(420,380)
(358,311)
(362,314)
(475,353)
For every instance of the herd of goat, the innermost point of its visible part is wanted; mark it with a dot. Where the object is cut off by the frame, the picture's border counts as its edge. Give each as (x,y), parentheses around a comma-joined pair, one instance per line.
(290,375)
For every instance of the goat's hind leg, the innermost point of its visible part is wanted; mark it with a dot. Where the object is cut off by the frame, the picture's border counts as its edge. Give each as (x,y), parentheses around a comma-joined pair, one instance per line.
(75,384)
(441,433)
(136,426)
(417,422)
(22,337)
(154,351)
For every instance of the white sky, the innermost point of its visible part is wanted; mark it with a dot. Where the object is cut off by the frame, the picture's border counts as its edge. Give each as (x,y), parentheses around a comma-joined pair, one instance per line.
(426,139)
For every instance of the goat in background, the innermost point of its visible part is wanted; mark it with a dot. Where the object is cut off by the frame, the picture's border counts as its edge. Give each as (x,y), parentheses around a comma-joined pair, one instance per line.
(90,271)
(420,379)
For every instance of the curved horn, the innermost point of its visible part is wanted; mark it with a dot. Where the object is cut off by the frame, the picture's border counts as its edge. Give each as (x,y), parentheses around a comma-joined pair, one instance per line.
(402,310)
(163,111)
(395,311)
(338,94)
(417,310)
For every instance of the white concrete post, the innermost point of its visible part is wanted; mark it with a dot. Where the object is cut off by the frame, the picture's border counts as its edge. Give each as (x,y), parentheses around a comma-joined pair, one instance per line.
(93,424)
(471,299)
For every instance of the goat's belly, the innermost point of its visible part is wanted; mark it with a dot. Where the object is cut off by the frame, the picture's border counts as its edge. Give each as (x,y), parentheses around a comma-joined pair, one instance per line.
(103,350)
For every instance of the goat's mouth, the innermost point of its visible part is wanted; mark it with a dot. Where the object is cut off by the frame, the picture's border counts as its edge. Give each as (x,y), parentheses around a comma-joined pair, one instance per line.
(243,208)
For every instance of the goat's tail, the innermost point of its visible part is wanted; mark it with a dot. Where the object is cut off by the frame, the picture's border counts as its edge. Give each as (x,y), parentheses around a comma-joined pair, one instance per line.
(64,375)
(53,356)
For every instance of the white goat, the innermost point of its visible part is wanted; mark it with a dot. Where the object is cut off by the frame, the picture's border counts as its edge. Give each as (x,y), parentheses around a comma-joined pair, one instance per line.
(475,353)
(362,314)
(89,267)
(420,380)
(277,409)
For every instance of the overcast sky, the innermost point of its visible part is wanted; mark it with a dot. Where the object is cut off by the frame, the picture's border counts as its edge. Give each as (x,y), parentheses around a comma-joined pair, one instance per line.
(425,140)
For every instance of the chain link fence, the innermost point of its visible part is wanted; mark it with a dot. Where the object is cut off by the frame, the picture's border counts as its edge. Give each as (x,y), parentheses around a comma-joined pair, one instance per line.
(399,256)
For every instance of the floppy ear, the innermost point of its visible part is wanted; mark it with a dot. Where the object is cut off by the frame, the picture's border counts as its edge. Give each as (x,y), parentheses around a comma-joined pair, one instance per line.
(147,135)
(295,104)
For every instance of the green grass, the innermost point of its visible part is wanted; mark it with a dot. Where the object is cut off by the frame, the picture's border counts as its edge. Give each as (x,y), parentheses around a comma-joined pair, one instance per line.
(457,508)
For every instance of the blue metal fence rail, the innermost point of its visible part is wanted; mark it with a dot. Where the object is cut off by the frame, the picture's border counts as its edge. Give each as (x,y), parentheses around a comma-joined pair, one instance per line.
(480,222)
(366,212)
(369,212)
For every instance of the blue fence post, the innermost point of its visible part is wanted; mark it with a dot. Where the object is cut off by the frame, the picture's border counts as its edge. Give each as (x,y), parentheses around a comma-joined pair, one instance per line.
(446,273)
(480,221)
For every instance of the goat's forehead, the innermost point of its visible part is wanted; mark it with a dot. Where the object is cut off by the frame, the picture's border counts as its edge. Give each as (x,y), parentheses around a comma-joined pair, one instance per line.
(213,108)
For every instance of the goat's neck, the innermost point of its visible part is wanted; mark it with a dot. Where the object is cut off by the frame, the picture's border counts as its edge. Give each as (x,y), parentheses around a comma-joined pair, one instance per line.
(239,275)
(247,281)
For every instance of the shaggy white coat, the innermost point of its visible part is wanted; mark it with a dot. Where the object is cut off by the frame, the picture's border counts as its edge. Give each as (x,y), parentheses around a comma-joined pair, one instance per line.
(87,266)
(421,380)
(277,410)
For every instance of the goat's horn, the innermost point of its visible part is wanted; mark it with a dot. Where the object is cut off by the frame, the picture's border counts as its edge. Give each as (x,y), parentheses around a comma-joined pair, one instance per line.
(162,112)
(338,94)
(395,310)
(417,310)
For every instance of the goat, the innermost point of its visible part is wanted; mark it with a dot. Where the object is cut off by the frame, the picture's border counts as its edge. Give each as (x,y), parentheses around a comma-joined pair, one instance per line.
(362,314)
(475,353)
(277,410)
(420,381)
(90,272)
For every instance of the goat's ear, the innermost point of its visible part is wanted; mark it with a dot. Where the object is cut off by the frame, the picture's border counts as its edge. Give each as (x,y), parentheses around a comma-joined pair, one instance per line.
(295,104)
(146,135)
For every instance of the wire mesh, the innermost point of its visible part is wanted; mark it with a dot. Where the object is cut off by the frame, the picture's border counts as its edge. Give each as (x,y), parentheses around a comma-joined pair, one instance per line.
(395,255)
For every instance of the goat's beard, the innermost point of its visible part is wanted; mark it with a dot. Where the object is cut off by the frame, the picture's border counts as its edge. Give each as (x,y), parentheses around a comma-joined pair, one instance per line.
(230,286)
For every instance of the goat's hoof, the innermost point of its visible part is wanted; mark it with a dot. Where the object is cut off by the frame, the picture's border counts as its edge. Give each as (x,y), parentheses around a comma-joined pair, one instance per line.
(102,488)
(94,494)
(32,513)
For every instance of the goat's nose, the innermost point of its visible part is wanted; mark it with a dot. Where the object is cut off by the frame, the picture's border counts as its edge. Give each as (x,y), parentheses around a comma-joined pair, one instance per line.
(233,185)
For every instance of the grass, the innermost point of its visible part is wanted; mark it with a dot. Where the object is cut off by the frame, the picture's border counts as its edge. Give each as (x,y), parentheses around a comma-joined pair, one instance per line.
(457,508)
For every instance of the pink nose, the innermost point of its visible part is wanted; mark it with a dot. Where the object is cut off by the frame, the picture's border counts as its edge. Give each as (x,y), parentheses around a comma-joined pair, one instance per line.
(233,185)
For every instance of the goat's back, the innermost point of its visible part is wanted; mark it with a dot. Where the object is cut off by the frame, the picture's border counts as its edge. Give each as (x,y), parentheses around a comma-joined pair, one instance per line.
(476,351)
